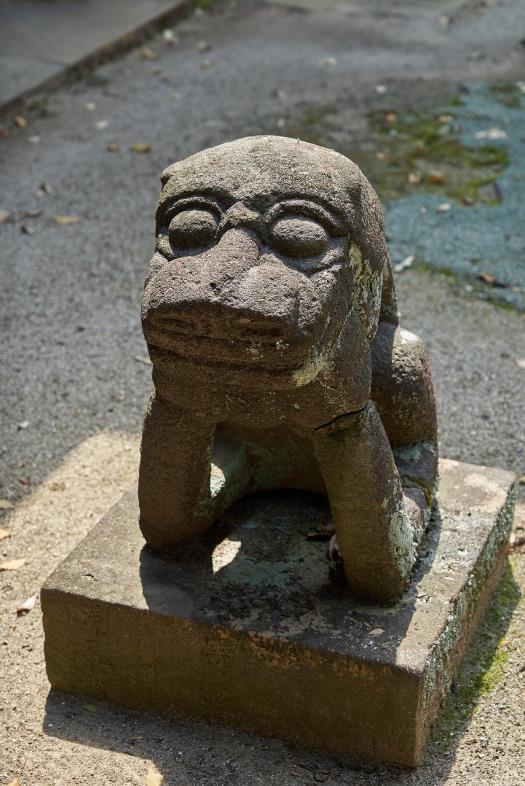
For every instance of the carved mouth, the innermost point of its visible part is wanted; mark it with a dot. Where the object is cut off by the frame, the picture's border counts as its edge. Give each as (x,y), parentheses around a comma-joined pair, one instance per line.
(244,345)
(178,329)
(231,339)
(231,352)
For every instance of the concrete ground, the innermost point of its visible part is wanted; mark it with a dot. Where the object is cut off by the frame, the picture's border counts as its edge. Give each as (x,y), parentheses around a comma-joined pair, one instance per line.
(74,371)
(70,36)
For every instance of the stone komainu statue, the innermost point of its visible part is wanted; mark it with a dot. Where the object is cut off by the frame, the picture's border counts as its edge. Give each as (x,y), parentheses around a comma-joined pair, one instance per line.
(270,315)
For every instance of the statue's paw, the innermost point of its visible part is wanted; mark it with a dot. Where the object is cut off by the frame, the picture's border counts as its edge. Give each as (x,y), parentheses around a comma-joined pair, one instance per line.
(335,560)
(417,510)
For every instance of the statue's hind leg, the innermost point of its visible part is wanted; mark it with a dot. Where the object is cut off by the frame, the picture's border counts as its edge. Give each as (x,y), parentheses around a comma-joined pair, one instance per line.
(373,531)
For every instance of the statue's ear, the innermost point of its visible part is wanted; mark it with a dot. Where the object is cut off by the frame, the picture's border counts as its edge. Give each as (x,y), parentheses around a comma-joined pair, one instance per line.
(374,293)
(389,312)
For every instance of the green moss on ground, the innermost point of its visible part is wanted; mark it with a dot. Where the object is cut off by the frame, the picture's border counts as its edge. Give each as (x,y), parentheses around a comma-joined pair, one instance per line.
(312,124)
(404,154)
(424,152)
(508,94)
(484,666)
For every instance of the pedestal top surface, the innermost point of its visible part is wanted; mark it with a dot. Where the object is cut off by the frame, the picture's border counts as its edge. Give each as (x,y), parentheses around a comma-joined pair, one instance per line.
(263,570)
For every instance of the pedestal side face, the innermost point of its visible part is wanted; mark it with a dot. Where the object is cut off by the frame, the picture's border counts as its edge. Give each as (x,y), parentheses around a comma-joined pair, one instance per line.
(246,627)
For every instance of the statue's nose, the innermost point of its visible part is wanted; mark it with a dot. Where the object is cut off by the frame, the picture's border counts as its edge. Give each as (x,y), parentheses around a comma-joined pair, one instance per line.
(237,250)
(239,216)
(198,280)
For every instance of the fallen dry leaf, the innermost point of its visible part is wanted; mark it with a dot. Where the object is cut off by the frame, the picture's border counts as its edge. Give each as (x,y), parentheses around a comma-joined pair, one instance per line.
(27,605)
(65,220)
(57,485)
(435,177)
(391,118)
(90,707)
(4,215)
(20,121)
(140,147)
(153,776)
(148,53)
(487,278)
(112,147)
(5,504)
(4,533)
(321,531)
(376,632)
(12,564)
(381,156)
(414,178)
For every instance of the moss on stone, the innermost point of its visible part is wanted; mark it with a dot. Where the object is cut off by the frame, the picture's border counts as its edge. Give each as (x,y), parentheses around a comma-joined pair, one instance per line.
(484,666)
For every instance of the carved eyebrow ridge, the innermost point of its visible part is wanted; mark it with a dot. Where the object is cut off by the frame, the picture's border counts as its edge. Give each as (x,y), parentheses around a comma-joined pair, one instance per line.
(307,206)
(198,200)
(184,203)
(336,224)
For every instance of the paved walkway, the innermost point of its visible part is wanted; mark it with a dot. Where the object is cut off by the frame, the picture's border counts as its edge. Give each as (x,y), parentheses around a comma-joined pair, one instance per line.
(41,40)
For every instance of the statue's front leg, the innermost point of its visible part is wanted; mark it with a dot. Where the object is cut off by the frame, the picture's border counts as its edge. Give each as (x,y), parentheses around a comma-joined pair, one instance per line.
(373,532)
(174,476)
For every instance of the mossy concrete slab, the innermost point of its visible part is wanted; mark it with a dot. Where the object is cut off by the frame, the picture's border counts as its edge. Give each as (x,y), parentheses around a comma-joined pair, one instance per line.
(246,628)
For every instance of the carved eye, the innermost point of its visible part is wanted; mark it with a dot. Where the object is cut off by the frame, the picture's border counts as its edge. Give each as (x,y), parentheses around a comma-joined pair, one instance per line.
(299,237)
(193,228)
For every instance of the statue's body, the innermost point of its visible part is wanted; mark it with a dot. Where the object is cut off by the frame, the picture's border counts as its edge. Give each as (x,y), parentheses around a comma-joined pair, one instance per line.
(270,316)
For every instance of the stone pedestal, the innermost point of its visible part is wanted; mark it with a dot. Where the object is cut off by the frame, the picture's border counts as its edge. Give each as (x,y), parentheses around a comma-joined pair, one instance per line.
(246,627)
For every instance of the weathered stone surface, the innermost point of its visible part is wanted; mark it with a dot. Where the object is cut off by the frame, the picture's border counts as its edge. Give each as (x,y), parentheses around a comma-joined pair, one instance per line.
(244,627)
(270,315)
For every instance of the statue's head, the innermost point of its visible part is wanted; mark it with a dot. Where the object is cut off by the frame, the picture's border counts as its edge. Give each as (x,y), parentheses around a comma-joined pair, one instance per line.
(264,248)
